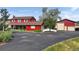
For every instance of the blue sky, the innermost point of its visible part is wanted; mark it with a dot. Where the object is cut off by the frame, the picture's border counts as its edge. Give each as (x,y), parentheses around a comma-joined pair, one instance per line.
(71,13)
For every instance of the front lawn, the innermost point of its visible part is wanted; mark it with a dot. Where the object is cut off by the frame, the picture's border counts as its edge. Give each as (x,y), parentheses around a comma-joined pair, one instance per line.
(18,30)
(68,45)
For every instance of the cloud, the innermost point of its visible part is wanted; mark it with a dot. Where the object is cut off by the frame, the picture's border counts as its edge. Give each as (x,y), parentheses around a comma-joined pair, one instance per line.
(71,14)
(74,9)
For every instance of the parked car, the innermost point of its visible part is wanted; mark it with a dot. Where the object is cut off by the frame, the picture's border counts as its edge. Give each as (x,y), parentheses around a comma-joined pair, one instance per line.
(45,30)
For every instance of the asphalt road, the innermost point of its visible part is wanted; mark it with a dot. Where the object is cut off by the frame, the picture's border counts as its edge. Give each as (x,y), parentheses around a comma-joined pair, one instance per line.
(35,41)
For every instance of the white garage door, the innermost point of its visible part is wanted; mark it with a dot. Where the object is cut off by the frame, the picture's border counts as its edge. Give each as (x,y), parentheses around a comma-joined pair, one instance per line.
(71,28)
(60,26)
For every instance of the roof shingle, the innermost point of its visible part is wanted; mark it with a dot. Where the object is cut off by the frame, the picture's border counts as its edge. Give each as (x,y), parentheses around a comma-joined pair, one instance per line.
(27,23)
(23,17)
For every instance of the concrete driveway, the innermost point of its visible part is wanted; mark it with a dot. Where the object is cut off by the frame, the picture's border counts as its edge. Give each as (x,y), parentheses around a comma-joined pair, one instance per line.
(35,41)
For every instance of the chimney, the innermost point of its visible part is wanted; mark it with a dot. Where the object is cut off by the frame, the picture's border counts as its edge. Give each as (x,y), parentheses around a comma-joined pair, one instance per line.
(13,16)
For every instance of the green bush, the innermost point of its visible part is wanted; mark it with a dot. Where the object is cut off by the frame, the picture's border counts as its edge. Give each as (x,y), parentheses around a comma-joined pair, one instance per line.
(37,31)
(5,27)
(5,36)
(18,30)
(8,29)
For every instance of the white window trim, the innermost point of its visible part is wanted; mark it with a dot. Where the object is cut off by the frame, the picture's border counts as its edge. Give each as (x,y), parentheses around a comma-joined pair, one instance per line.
(19,20)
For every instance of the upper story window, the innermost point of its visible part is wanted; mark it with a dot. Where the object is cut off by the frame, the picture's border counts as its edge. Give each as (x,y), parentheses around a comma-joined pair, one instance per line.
(24,21)
(19,20)
(13,20)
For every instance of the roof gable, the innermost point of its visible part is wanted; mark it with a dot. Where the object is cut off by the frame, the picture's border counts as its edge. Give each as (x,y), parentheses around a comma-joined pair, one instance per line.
(61,21)
(23,17)
(28,23)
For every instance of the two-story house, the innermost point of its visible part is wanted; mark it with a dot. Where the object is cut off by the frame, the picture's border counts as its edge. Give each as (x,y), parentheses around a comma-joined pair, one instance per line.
(27,23)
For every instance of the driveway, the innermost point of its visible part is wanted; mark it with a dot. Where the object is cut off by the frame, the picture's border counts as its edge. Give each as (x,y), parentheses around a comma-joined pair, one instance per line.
(35,41)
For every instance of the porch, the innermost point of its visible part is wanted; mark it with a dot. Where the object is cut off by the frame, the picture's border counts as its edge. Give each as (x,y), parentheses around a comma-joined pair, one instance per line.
(21,27)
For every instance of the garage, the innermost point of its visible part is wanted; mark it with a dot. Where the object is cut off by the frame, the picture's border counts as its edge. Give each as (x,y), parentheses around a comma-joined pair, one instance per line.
(76,29)
(66,25)
(60,26)
(71,28)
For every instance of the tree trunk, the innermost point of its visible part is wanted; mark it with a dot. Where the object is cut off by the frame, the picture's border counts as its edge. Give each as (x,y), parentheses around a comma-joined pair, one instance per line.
(3,24)
(3,28)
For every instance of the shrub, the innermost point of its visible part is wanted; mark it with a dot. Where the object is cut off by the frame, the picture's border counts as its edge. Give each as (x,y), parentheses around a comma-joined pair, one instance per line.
(5,36)
(8,29)
(37,31)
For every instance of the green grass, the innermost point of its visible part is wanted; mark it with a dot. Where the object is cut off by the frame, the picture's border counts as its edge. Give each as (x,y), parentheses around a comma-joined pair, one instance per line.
(5,36)
(37,31)
(19,30)
(68,45)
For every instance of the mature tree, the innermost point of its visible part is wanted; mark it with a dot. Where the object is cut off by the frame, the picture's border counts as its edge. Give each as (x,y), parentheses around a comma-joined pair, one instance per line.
(44,10)
(77,22)
(50,17)
(4,17)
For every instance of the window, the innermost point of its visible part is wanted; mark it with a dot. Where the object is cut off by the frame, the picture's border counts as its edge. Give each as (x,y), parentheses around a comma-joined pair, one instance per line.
(19,20)
(24,21)
(33,27)
(12,21)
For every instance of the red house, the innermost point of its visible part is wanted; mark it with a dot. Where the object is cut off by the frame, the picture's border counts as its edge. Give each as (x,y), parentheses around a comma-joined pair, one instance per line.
(66,24)
(27,23)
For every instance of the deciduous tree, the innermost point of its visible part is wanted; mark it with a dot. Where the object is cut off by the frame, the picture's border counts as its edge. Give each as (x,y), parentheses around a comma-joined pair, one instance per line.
(4,17)
(50,17)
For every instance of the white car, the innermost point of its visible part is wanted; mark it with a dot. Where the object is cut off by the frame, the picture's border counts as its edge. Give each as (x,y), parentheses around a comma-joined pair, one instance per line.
(49,30)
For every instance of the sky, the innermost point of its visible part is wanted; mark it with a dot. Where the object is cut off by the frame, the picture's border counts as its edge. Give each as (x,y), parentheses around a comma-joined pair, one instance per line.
(71,13)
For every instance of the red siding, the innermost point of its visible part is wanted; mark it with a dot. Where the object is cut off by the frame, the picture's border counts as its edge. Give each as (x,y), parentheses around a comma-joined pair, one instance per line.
(28,28)
(16,21)
(32,20)
(22,20)
(38,27)
(69,23)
